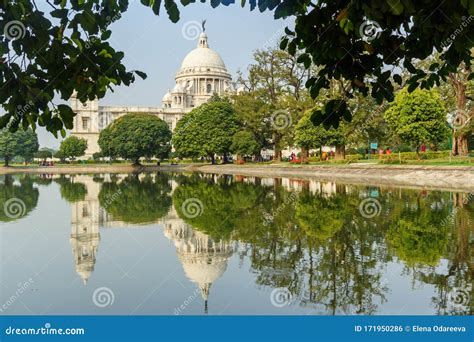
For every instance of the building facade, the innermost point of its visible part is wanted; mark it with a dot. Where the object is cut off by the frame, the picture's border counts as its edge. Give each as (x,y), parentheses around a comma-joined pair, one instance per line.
(202,74)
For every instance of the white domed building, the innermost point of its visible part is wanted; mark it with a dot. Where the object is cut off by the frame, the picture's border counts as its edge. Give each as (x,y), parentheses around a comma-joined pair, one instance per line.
(202,74)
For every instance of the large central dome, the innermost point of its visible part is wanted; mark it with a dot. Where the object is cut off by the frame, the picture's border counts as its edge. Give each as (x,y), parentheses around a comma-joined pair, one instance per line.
(202,57)
(201,75)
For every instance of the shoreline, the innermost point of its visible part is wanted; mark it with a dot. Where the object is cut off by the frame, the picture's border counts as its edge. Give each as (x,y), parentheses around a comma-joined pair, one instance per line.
(460,178)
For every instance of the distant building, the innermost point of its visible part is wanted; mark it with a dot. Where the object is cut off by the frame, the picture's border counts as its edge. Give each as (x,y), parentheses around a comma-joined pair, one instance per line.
(202,74)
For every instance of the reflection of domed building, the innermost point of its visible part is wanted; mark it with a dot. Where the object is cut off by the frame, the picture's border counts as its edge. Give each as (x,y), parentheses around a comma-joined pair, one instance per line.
(204,260)
(202,74)
(86,216)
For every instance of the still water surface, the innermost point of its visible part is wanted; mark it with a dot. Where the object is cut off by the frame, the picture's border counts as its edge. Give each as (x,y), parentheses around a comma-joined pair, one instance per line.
(195,244)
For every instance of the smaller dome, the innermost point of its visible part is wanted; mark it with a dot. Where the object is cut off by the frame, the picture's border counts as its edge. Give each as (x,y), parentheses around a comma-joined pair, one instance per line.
(167,97)
(178,88)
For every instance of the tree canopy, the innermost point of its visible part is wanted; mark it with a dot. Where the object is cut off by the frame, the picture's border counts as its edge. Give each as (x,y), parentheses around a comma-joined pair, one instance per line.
(64,47)
(18,144)
(207,130)
(417,118)
(245,144)
(73,147)
(136,135)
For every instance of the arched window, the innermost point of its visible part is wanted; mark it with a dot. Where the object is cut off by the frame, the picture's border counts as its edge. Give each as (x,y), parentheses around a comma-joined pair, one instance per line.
(209,88)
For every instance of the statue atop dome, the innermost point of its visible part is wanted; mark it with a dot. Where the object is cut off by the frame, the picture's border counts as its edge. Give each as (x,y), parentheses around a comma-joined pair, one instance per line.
(203,23)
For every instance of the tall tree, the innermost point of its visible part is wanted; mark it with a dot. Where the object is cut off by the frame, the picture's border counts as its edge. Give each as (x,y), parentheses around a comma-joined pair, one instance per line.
(277,81)
(206,131)
(417,118)
(20,143)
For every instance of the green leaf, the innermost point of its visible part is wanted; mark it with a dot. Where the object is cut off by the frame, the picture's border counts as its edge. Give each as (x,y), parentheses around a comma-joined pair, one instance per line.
(172,10)
(141,74)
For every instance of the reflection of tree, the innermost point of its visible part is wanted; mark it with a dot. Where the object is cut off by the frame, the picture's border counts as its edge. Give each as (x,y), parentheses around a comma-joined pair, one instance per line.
(320,217)
(137,200)
(225,204)
(70,190)
(43,179)
(24,192)
(343,270)
(455,285)
(417,235)
(320,247)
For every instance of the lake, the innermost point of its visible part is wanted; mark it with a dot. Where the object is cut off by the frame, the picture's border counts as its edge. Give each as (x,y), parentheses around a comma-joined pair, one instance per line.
(194,244)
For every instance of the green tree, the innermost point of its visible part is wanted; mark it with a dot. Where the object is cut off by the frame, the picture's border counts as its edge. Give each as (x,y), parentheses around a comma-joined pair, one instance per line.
(307,135)
(18,144)
(276,84)
(136,135)
(251,111)
(245,144)
(207,130)
(418,117)
(60,155)
(44,154)
(73,147)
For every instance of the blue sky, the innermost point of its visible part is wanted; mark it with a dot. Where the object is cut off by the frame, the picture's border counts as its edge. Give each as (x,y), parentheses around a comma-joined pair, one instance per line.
(157,46)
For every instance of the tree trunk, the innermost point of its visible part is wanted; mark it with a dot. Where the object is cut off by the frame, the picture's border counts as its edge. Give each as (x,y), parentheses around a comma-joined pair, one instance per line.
(277,149)
(340,152)
(136,162)
(320,153)
(304,154)
(224,158)
(7,160)
(213,159)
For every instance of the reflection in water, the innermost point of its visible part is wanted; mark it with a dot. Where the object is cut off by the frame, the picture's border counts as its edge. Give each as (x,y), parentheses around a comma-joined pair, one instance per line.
(115,202)
(305,236)
(18,196)
(204,259)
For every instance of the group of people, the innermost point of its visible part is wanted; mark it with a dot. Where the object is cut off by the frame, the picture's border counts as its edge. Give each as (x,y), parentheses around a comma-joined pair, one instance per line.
(46,163)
